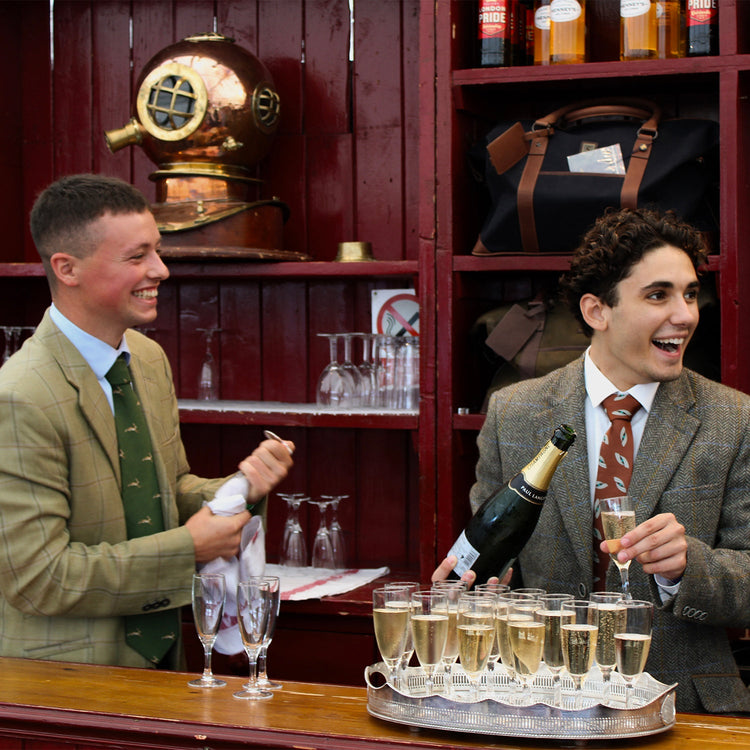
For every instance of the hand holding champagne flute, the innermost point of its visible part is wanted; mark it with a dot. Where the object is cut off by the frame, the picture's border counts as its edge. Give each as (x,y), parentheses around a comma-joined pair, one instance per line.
(618,518)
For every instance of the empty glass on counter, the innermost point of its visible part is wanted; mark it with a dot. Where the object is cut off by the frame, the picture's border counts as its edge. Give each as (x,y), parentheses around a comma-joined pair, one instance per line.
(253,607)
(274,594)
(208,596)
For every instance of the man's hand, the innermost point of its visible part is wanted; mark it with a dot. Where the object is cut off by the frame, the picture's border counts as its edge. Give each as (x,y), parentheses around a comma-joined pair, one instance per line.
(658,544)
(266,466)
(445,567)
(215,536)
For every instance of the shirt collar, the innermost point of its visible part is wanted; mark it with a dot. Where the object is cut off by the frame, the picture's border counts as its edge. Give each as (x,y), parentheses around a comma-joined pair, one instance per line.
(599,386)
(99,355)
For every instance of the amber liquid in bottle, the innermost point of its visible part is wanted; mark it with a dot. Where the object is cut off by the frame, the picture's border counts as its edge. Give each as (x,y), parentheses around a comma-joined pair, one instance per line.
(670,36)
(541,32)
(637,29)
(567,35)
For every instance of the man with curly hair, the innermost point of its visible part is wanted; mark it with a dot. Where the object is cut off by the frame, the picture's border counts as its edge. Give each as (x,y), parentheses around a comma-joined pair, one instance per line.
(633,284)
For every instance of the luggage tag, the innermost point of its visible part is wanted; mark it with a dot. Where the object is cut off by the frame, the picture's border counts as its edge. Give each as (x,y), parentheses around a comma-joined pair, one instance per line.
(514,331)
(508,148)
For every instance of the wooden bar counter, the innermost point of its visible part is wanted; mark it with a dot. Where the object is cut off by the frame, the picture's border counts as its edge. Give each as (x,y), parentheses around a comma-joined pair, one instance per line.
(63,705)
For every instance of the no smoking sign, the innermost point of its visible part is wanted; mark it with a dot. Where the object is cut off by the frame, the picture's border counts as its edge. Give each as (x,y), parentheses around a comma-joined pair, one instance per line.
(395,312)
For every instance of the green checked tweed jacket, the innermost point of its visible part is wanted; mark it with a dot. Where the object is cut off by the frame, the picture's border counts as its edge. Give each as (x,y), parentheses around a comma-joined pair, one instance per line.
(693,461)
(68,573)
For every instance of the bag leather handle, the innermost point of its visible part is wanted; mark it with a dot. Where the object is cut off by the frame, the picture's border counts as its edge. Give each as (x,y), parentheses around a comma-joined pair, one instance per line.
(544,128)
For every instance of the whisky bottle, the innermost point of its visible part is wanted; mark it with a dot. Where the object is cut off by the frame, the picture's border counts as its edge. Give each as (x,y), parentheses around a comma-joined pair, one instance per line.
(498,531)
(541,32)
(567,33)
(637,29)
(670,27)
(702,22)
(494,33)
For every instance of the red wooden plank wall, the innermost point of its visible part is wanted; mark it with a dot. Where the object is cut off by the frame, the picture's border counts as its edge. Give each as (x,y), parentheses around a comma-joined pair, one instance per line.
(345,159)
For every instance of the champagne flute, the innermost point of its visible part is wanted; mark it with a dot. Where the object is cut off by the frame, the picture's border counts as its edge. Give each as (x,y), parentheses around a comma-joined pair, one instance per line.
(335,531)
(274,590)
(611,619)
(502,612)
(579,638)
(452,590)
(209,595)
(390,615)
(411,586)
(632,643)
(526,636)
(253,606)
(476,632)
(322,554)
(293,544)
(429,629)
(551,615)
(493,589)
(618,518)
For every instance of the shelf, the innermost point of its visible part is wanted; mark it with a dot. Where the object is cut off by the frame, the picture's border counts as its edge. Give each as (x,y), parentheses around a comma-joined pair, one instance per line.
(277,413)
(531,262)
(284,269)
(19,270)
(468,421)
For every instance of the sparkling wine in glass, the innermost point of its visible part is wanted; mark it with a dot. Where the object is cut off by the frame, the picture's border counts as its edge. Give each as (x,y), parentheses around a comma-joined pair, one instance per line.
(452,590)
(611,620)
(632,643)
(476,633)
(411,587)
(253,607)
(429,629)
(550,614)
(579,638)
(618,518)
(209,595)
(526,635)
(390,615)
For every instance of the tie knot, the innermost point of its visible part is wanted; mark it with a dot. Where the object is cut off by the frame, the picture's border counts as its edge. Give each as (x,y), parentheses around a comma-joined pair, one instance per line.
(621,406)
(119,373)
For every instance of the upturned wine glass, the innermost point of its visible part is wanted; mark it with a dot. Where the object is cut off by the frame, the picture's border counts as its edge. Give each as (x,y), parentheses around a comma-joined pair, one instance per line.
(208,381)
(611,619)
(209,595)
(632,643)
(390,615)
(618,518)
(429,629)
(322,554)
(335,531)
(253,607)
(336,388)
(579,638)
(293,543)
(274,592)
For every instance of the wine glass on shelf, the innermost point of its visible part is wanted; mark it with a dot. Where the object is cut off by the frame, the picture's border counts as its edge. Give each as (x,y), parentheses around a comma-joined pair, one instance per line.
(293,544)
(429,629)
(618,518)
(208,597)
(322,553)
(208,381)
(611,618)
(475,625)
(390,615)
(253,608)
(274,592)
(550,614)
(411,587)
(368,369)
(336,532)
(579,638)
(335,385)
(352,369)
(632,643)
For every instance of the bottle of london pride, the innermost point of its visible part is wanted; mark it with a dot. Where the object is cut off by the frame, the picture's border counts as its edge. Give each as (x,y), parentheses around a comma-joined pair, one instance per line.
(498,531)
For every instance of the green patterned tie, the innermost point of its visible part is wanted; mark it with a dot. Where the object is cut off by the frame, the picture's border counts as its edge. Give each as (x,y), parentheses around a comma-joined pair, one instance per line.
(151,634)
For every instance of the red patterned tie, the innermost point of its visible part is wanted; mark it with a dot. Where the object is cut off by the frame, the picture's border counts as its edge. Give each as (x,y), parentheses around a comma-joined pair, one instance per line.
(615,470)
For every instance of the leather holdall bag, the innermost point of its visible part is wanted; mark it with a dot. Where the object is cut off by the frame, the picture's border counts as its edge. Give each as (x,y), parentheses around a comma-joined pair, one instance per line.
(537,204)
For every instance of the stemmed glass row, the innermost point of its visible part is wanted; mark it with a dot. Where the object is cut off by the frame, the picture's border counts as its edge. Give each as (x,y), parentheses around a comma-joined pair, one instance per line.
(521,629)
(13,337)
(258,602)
(386,376)
(329,550)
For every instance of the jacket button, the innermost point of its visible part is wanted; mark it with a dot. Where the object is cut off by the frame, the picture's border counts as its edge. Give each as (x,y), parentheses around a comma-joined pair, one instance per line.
(582,591)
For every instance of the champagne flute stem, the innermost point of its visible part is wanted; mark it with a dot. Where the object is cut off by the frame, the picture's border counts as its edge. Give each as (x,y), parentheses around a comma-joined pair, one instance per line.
(625,580)
(207,673)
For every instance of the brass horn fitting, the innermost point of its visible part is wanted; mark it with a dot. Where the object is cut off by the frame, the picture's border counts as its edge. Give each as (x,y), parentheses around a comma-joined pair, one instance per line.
(129,134)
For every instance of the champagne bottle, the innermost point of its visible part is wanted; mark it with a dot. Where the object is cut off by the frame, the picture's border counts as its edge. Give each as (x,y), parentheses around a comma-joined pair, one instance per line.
(702,27)
(504,522)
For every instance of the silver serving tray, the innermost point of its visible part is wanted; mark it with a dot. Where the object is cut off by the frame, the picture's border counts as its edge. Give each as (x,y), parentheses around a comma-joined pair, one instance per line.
(502,712)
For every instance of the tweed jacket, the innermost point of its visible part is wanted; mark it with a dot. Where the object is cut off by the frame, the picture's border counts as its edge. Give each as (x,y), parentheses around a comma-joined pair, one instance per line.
(68,573)
(693,461)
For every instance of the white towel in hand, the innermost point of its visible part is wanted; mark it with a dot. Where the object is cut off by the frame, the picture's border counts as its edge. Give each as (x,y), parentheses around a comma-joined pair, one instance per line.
(251,561)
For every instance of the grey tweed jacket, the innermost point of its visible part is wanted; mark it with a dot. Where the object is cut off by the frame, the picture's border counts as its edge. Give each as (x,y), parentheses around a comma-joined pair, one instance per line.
(68,573)
(693,461)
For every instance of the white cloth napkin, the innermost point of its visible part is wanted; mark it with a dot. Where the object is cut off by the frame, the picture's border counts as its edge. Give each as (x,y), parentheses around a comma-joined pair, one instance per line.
(314,583)
(251,561)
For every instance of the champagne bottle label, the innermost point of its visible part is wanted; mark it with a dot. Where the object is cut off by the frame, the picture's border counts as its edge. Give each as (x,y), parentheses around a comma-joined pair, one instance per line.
(466,553)
(527,491)
(562,11)
(634,8)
